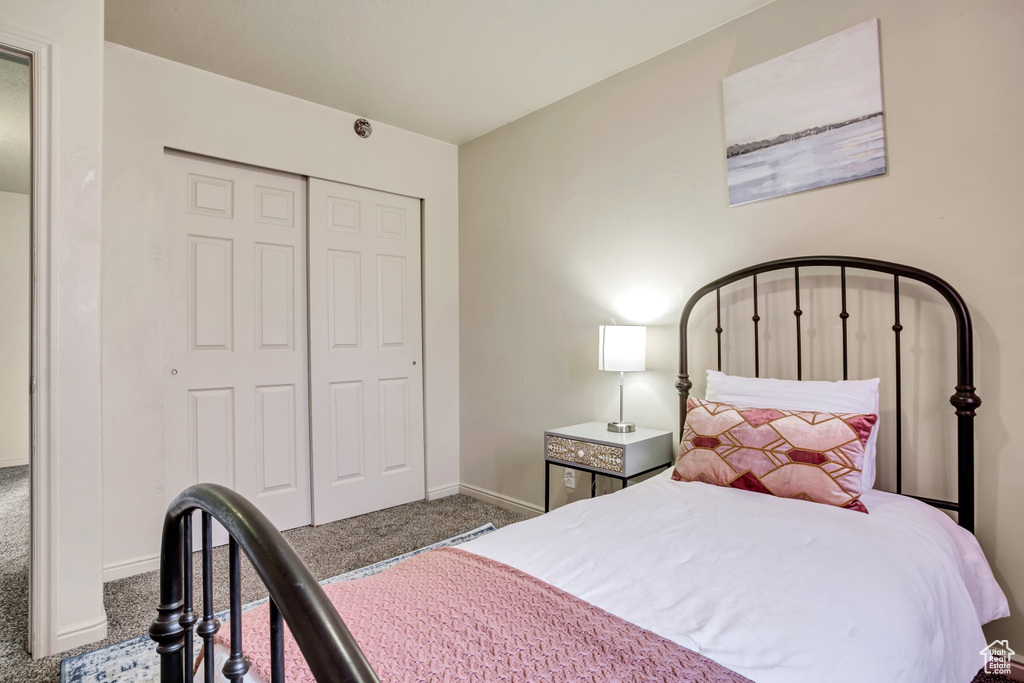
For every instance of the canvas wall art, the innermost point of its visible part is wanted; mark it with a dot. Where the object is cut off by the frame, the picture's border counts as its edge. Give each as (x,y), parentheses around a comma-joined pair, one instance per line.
(807,119)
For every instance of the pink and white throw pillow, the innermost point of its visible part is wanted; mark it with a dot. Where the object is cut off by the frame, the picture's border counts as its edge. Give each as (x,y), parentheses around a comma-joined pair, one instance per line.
(791,454)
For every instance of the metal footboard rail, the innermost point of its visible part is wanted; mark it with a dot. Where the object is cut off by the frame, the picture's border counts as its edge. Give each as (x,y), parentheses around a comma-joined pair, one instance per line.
(295,596)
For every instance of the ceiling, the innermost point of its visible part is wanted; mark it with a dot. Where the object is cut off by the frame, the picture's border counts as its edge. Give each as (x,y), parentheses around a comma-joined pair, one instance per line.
(448,69)
(15,126)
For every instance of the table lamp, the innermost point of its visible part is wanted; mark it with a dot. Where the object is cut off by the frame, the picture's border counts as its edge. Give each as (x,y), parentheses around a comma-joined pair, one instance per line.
(622,349)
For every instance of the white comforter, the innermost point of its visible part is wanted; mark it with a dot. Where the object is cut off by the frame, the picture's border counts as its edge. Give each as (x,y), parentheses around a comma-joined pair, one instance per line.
(777,590)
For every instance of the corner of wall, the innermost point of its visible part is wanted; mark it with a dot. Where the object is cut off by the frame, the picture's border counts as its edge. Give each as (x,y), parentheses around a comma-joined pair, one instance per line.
(66,40)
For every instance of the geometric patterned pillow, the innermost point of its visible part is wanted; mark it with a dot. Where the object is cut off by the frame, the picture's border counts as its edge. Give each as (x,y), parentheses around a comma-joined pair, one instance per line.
(785,453)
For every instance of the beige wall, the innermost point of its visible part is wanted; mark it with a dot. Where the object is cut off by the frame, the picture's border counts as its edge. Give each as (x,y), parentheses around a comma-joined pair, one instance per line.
(621,188)
(152,103)
(15,227)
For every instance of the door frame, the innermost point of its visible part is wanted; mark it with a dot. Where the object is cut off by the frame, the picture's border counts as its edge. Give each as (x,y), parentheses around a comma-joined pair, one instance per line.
(42,482)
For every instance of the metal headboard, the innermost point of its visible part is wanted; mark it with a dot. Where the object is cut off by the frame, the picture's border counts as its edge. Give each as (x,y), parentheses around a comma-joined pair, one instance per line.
(965,401)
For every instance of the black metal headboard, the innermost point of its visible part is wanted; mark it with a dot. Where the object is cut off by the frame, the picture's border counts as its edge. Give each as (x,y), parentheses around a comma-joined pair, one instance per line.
(965,401)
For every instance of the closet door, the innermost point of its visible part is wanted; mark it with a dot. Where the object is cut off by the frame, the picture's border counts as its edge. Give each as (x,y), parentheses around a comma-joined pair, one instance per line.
(366,374)
(235,351)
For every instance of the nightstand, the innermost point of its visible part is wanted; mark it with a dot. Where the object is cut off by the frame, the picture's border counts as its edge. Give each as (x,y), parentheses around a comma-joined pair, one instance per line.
(590,447)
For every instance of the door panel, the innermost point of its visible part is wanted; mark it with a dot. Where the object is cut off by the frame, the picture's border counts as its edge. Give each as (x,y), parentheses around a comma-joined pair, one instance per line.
(275,439)
(344,306)
(394,420)
(391,304)
(275,296)
(346,430)
(211,424)
(210,299)
(366,379)
(234,327)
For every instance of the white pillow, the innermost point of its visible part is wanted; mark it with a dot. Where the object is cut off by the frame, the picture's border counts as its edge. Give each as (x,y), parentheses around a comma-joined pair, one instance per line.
(850,396)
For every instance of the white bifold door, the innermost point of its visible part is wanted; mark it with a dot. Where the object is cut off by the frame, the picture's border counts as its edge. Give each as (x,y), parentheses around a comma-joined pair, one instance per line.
(235,358)
(365,341)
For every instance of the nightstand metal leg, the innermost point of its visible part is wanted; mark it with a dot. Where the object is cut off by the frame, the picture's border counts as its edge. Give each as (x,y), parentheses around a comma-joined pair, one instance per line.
(547,486)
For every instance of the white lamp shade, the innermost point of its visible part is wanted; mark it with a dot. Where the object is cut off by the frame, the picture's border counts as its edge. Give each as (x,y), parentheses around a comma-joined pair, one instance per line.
(622,348)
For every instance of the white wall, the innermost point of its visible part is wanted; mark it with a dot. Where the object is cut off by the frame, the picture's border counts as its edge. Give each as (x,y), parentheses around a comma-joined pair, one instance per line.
(152,103)
(622,188)
(68,475)
(15,257)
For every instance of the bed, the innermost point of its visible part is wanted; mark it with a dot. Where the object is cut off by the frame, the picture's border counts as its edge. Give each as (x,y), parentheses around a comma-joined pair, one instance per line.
(720,582)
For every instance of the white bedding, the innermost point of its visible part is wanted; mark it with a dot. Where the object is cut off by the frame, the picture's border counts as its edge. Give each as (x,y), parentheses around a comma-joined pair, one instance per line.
(781,591)
(777,590)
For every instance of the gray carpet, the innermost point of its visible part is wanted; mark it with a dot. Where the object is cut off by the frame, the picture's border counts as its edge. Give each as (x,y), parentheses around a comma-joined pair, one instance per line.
(327,550)
(14,530)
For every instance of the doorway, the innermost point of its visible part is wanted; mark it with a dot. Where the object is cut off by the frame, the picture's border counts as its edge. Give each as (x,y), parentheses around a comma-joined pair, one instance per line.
(15,341)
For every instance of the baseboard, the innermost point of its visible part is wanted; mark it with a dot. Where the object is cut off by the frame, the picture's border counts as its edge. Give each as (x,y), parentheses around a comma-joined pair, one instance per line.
(14,462)
(138,565)
(82,633)
(442,492)
(502,501)
(148,563)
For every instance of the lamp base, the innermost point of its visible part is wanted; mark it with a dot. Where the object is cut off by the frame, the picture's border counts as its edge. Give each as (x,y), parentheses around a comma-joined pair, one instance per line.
(621,427)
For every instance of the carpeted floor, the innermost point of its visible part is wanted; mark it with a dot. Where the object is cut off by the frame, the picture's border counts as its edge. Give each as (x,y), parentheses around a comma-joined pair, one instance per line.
(327,550)
(14,528)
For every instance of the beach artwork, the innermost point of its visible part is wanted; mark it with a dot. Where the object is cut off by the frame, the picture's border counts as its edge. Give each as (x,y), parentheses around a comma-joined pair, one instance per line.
(807,119)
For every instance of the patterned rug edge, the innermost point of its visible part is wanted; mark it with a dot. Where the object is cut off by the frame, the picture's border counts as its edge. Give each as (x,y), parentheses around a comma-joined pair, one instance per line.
(103,667)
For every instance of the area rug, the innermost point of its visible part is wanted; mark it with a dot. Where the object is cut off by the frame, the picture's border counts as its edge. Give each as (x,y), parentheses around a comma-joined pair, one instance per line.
(135,660)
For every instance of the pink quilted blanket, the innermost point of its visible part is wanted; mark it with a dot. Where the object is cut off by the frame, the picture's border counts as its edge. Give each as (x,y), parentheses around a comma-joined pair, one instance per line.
(450,615)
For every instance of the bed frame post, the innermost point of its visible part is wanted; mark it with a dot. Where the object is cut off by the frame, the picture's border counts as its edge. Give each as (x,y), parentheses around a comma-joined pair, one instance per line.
(166,629)
(966,402)
(683,386)
(683,383)
(326,643)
